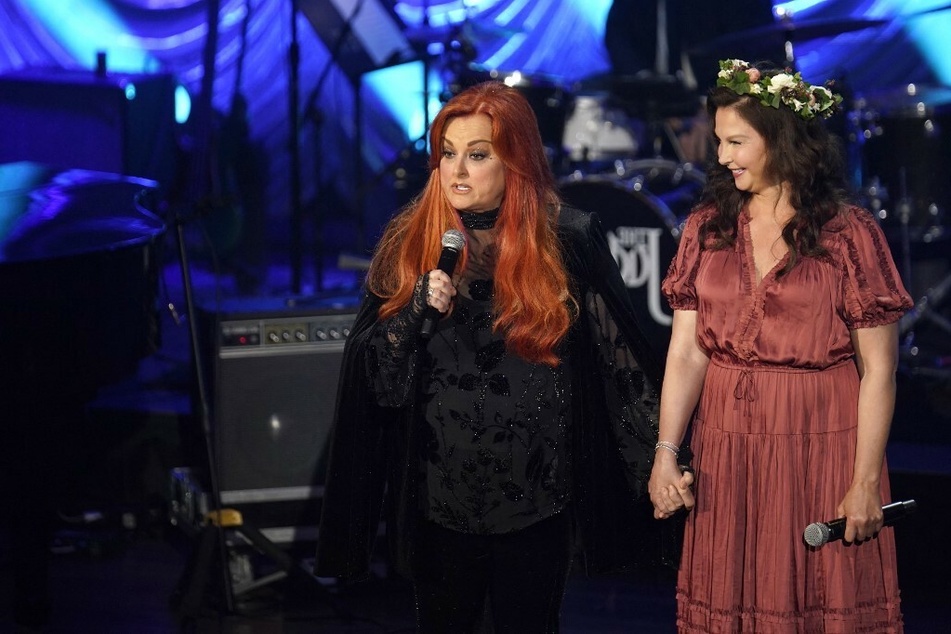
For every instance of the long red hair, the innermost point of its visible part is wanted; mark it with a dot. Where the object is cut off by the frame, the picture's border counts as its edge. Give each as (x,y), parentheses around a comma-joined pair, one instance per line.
(534,305)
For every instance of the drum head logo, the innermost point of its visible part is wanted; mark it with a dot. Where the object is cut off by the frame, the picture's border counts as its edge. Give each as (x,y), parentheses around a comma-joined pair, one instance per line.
(637,251)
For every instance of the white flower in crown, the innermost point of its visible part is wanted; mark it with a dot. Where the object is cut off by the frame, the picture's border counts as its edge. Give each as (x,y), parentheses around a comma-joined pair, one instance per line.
(780,81)
(756,89)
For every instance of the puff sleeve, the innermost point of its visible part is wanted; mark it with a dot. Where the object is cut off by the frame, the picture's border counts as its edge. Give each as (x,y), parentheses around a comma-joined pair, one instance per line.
(678,286)
(874,293)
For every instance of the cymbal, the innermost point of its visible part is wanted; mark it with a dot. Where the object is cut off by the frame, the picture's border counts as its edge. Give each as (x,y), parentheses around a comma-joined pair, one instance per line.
(644,81)
(519,79)
(467,28)
(776,34)
(645,95)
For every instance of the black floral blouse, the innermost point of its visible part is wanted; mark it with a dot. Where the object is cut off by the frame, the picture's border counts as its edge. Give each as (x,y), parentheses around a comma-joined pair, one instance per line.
(494,443)
(493,450)
(456,430)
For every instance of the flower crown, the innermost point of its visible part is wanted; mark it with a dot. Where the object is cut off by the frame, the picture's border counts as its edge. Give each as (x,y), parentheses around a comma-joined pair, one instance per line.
(806,100)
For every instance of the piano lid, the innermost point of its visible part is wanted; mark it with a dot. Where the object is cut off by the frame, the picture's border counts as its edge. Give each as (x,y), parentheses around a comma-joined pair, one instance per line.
(49,213)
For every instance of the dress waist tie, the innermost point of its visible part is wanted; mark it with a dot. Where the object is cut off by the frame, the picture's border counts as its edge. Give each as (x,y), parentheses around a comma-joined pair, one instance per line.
(745,392)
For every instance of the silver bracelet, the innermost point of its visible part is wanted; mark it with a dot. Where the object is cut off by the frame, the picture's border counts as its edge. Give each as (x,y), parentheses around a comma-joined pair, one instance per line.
(669,446)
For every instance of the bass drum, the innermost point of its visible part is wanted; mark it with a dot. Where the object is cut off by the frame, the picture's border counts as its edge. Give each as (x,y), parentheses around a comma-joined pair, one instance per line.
(642,232)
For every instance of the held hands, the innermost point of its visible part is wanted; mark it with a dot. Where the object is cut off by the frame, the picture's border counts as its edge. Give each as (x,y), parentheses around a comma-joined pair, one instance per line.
(440,291)
(669,487)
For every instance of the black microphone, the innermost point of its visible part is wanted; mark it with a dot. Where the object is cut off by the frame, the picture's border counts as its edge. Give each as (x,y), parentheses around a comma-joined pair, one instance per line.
(819,533)
(452,243)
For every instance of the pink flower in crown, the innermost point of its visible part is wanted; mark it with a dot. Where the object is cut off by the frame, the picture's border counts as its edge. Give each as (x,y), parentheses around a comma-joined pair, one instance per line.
(753,74)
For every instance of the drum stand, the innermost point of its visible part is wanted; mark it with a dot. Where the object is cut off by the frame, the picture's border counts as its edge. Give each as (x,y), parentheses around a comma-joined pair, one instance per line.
(655,100)
(657,131)
(924,307)
(873,193)
(936,366)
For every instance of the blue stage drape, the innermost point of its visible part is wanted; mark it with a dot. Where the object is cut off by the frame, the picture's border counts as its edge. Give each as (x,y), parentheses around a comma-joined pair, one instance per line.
(559,40)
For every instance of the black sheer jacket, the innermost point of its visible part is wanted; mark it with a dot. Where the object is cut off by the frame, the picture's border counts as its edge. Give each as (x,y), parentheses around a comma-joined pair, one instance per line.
(614,383)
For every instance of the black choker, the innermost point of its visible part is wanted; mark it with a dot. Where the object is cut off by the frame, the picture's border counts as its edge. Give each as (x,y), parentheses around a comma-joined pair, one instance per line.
(481,220)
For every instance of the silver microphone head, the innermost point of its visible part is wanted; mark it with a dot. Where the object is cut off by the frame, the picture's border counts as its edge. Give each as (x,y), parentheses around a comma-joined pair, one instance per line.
(453,239)
(816,534)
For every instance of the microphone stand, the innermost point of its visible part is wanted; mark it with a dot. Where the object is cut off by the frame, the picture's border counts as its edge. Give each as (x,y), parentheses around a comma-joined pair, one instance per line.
(297,214)
(212,540)
(426,69)
(213,533)
(924,307)
(189,594)
(190,602)
(313,113)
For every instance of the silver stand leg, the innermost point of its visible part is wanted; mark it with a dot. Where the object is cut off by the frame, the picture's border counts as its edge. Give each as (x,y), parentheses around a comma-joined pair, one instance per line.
(924,309)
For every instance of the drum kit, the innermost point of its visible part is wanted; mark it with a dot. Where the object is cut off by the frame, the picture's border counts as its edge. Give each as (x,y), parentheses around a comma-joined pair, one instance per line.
(900,154)
(902,139)
(615,144)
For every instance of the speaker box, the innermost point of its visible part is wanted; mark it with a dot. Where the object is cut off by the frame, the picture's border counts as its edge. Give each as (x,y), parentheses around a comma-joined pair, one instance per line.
(274,385)
(117,122)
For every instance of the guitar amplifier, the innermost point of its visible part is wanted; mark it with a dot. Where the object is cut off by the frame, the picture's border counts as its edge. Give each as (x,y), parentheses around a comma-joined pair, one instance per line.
(274,379)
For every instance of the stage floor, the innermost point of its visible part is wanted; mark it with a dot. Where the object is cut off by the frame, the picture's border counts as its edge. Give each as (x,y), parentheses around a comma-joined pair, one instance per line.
(119,575)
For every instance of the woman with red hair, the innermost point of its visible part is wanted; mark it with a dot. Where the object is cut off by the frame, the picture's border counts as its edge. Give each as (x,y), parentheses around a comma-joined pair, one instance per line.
(528,415)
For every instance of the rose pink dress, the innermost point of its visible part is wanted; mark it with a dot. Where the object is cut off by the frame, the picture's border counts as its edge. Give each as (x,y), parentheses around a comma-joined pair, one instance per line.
(775,431)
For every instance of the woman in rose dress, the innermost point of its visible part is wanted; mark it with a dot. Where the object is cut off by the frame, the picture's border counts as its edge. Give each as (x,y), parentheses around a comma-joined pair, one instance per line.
(782,364)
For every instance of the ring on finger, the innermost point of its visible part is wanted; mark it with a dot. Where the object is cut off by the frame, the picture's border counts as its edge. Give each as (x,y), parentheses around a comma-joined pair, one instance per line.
(430,292)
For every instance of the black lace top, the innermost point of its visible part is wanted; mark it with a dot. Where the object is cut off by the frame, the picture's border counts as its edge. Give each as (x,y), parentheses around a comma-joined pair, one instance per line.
(380,423)
(494,430)
(494,440)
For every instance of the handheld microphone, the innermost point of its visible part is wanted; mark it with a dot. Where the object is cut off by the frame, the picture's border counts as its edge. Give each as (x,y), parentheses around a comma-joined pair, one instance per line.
(819,533)
(452,242)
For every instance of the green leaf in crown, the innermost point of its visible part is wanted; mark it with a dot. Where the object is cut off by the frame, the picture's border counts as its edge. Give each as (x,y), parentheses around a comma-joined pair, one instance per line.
(779,89)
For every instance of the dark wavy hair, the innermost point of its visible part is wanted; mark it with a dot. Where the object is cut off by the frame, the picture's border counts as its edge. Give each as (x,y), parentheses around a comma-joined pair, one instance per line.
(802,153)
